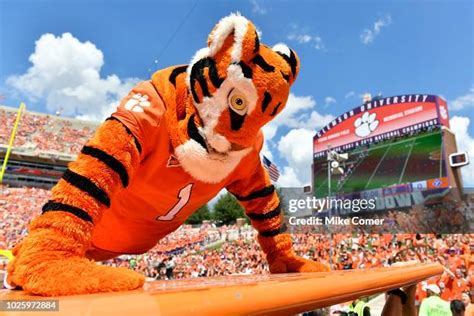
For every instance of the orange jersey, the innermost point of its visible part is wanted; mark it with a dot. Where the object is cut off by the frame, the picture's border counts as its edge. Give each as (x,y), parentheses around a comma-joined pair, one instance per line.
(161,195)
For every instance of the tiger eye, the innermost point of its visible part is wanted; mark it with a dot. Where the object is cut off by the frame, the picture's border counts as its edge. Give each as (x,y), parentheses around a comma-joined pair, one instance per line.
(238,102)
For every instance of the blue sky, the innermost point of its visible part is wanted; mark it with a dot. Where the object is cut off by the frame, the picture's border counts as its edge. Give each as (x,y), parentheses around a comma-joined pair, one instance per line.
(346,48)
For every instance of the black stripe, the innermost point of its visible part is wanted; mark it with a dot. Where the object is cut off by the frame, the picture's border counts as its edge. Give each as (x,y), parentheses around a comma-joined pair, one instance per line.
(267,98)
(194,93)
(109,160)
(202,81)
(137,143)
(266,191)
(197,74)
(56,206)
(176,72)
(259,61)
(213,74)
(291,60)
(260,217)
(86,185)
(274,232)
(193,132)
(257,43)
(236,120)
(246,70)
(286,77)
(275,110)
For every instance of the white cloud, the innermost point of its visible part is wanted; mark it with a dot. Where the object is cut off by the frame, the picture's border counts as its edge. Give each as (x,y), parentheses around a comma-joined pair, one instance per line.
(266,150)
(350,94)
(368,35)
(463,101)
(297,114)
(314,120)
(289,179)
(257,7)
(296,146)
(329,100)
(65,73)
(460,127)
(297,149)
(318,43)
(302,37)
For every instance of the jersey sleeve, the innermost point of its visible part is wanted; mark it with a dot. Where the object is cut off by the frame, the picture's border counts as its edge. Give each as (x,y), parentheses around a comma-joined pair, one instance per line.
(141,111)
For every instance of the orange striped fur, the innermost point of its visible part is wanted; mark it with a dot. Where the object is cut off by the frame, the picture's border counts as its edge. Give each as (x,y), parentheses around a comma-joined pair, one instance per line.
(215,110)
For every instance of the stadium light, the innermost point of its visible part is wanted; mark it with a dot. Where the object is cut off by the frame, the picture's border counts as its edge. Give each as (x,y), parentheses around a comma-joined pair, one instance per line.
(335,166)
(336,162)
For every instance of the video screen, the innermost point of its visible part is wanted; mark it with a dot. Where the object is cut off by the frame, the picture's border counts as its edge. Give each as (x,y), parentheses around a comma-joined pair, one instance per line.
(403,160)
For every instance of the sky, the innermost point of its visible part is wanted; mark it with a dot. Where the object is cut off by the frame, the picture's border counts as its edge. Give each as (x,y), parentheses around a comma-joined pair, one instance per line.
(82,57)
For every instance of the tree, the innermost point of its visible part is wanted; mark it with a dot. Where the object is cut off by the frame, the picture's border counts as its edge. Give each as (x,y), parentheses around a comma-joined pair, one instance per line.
(200,215)
(284,201)
(227,210)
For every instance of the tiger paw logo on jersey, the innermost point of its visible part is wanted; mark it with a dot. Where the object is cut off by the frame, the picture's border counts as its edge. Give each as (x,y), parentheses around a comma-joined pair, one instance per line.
(366,124)
(137,102)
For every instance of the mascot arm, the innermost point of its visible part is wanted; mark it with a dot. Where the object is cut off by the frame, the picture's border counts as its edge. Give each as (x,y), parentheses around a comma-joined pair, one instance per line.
(51,261)
(260,200)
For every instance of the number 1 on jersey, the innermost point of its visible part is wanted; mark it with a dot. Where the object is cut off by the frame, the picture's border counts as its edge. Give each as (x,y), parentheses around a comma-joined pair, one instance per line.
(183,195)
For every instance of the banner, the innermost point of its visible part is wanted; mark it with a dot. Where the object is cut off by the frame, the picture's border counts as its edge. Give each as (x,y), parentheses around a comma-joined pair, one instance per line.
(382,118)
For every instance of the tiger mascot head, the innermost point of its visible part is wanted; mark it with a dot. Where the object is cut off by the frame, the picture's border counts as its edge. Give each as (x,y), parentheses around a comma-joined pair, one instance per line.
(233,86)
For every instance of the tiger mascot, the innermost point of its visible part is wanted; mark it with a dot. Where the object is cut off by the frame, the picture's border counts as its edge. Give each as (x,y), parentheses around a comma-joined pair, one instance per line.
(173,143)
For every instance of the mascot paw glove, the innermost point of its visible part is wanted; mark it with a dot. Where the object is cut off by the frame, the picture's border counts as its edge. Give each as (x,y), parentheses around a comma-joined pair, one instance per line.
(289,262)
(51,262)
(282,259)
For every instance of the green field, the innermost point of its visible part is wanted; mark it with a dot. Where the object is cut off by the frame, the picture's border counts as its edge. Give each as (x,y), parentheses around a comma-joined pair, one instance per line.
(393,162)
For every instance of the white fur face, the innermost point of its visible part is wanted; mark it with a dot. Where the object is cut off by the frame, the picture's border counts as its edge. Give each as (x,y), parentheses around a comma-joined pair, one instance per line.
(207,167)
(211,108)
(226,80)
(219,160)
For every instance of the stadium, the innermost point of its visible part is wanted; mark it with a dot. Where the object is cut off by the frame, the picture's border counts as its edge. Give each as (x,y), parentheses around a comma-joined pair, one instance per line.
(172,206)
(43,147)
(45,144)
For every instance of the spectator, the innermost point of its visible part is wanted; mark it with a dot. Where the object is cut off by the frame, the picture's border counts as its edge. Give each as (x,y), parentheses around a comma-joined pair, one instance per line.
(170,264)
(467,299)
(434,305)
(457,308)
(359,307)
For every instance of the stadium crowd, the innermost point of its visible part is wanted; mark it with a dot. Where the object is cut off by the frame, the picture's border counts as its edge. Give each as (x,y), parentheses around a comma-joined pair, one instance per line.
(207,250)
(40,132)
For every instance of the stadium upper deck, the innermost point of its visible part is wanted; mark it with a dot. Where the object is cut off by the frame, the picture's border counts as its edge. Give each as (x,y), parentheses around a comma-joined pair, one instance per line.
(43,146)
(39,132)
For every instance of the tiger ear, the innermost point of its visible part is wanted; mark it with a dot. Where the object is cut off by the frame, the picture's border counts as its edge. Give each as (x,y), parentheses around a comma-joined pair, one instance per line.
(236,36)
